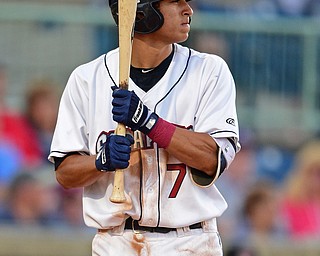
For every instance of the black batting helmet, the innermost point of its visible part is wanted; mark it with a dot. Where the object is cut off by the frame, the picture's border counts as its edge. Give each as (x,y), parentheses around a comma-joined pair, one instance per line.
(148,18)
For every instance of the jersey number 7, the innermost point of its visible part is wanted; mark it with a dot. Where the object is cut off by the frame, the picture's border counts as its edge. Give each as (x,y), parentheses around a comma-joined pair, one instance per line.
(181,169)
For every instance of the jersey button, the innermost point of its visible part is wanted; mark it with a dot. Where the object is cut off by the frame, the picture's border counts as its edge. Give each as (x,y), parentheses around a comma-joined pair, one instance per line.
(150,190)
(149,159)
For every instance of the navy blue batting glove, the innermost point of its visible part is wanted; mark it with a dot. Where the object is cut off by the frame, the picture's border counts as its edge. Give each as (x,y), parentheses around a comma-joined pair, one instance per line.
(128,109)
(114,153)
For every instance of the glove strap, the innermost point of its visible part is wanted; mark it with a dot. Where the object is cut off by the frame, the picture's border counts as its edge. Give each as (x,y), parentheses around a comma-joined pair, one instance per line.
(158,130)
(151,120)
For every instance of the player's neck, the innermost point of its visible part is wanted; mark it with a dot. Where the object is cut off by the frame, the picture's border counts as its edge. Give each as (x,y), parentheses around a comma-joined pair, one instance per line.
(145,55)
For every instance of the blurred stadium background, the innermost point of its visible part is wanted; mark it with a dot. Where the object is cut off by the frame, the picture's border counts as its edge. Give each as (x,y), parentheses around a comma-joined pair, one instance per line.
(275,61)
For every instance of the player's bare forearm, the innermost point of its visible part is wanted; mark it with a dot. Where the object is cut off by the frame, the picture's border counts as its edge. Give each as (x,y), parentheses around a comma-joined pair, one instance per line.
(197,150)
(77,171)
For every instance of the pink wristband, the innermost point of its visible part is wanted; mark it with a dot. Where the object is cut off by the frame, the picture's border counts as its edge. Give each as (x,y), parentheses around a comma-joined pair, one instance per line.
(162,133)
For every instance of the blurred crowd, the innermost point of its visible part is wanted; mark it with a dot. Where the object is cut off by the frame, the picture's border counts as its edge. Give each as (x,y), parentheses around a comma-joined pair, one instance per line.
(29,193)
(289,8)
(273,193)
(273,198)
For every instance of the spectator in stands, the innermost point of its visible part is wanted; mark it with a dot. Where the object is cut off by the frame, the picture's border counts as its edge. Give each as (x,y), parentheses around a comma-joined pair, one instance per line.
(15,133)
(301,196)
(31,200)
(41,111)
(261,221)
(18,147)
(262,218)
(70,208)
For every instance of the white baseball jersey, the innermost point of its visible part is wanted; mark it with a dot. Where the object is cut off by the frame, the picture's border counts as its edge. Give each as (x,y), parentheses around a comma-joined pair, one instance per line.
(197,92)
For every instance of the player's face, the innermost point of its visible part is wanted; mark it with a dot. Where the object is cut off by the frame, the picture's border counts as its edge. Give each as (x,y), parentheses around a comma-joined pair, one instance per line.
(176,25)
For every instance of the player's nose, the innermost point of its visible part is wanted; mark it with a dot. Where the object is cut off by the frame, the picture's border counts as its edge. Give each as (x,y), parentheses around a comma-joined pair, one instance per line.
(187,10)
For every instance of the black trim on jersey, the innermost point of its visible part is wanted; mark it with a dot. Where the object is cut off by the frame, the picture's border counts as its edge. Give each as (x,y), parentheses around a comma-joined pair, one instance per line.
(159,192)
(175,84)
(66,153)
(184,71)
(233,144)
(155,109)
(105,64)
(222,131)
(141,181)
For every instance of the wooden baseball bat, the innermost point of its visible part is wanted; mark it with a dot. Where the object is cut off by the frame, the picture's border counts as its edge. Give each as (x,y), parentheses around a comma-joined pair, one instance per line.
(126,14)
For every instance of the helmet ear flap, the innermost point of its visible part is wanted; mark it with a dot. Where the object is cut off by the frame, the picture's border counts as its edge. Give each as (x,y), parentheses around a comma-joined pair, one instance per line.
(113,4)
(148,17)
(151,20)
(139,16)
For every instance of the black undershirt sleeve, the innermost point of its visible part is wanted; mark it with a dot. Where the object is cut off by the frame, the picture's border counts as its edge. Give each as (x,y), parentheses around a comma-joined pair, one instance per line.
(59,160)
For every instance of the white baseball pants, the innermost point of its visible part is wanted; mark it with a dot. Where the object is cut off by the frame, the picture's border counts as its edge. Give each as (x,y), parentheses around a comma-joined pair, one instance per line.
(183,242)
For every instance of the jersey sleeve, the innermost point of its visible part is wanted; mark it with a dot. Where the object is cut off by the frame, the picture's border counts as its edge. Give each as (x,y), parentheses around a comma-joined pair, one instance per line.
(71,133)
(217,113)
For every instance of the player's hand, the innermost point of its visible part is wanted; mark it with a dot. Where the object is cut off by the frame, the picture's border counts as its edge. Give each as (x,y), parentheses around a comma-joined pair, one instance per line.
(115,153)
(129,110)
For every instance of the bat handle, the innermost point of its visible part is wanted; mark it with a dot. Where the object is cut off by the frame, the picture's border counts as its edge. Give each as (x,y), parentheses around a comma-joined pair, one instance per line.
(118,195)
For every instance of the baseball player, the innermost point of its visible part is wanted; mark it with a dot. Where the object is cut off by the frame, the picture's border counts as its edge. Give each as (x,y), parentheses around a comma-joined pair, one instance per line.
(182,133)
